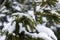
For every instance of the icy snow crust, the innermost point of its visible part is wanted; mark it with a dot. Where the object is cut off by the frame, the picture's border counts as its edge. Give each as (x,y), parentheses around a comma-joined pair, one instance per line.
(44,32)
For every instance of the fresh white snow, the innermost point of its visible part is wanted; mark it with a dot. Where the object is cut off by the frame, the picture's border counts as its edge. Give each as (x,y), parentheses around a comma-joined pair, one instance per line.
(2,37)
(44,32)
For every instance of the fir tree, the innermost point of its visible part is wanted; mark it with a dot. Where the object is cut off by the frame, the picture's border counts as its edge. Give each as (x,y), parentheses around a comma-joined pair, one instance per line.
(17,10)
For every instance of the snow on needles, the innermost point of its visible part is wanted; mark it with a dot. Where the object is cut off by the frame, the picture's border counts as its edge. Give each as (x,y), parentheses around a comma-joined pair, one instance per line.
(39,0)
(44,33)
(2,37)
(46,30)
(8,27)
(22,14)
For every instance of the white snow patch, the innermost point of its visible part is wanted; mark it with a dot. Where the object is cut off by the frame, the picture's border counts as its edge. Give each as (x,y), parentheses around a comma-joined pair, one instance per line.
(30,12)
(9,27)
(21,27)
(39,0)
(2,15)
(2,37)
(39,35)
(10,19)
(38,8)
(44,33)
(44,19)
(44,36)
(46,30)
(0,23)
(5,11)
(17,8)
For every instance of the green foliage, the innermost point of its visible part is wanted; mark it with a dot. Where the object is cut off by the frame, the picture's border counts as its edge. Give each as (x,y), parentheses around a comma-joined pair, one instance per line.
(49,2)
(25,20)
